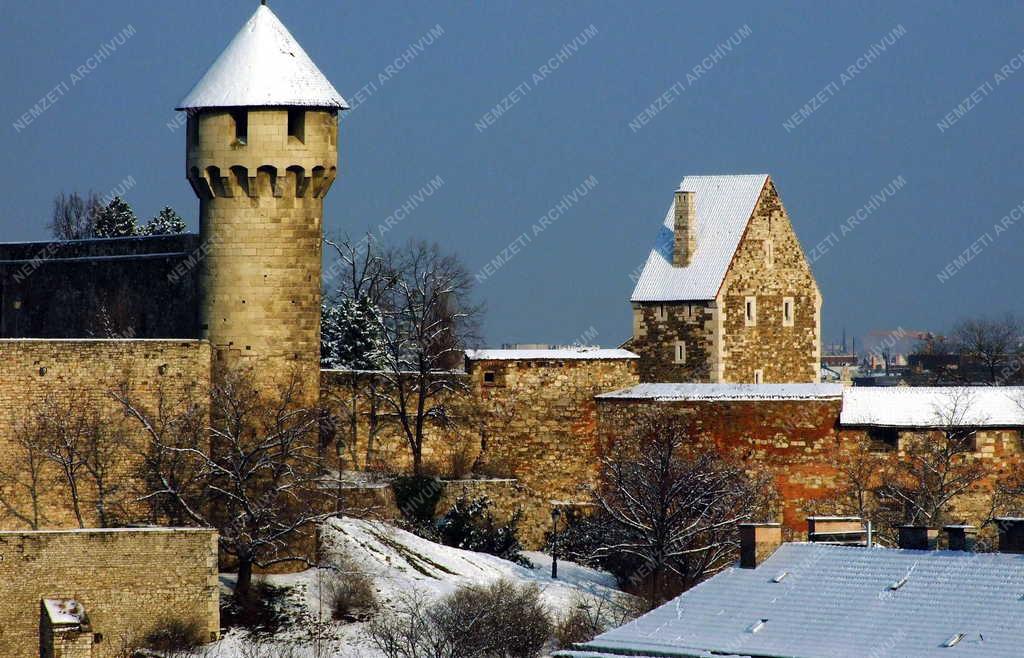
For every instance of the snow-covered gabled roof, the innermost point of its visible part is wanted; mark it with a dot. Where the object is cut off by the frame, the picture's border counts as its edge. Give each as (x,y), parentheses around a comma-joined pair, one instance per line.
(567,354)
(730,392)
(263,66)
(724,205)
(838,601)
(926,406)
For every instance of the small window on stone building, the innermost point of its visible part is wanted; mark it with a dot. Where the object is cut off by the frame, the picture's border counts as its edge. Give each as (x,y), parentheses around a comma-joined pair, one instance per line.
(661,312)
(883,439)
(241,120)
(759,376)
(750,312)
(297,125)
(490,377)
(787,311)
(679,353)
(769,252)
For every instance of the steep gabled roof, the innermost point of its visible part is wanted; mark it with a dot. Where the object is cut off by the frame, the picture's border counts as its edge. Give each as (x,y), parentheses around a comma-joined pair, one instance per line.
(724,207)
(838,601)
(263,66)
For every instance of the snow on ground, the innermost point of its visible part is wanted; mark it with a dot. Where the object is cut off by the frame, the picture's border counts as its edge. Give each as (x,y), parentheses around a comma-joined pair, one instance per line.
(399,562)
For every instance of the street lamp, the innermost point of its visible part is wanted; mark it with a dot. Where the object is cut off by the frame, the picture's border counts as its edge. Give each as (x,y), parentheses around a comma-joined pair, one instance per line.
(555,513)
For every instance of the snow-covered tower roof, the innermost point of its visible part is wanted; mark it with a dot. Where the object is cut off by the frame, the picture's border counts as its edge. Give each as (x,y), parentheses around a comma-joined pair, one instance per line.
(263,66)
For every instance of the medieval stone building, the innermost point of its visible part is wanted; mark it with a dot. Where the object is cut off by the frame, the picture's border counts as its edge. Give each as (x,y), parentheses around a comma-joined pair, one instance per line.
(726,294)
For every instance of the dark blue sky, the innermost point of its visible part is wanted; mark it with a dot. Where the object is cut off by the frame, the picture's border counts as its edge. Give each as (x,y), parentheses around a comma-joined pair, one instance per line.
(420,122)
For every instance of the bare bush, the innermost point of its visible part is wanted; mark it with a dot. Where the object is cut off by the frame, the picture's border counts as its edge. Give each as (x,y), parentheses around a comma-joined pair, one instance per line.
(175,635)
(588,618)
(502,620)
(351,595)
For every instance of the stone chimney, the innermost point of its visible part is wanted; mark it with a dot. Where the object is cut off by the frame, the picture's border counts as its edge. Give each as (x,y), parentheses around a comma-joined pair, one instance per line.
(961,537)
(757,542)
(845,530)
(918,537)
(1011,534)
(685,229)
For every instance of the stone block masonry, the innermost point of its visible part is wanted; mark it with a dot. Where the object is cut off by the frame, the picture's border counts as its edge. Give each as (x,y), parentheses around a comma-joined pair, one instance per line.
(83,373)
(129,581)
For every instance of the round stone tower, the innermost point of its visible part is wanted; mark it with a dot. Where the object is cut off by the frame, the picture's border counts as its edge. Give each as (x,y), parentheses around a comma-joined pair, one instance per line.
(262,154)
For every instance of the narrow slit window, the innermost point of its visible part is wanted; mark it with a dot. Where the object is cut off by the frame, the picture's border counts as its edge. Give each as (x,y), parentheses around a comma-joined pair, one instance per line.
(759,376)
(679,355)
(787,311)
(661,312)
(241,119)
(769,252)
(297,125)
(750,311)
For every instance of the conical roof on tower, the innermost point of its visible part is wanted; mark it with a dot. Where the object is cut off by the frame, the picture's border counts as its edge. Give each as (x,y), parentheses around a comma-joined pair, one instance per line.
(263,66)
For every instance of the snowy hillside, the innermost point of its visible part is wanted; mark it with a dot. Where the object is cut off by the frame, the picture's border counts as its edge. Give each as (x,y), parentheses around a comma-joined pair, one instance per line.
(400,562)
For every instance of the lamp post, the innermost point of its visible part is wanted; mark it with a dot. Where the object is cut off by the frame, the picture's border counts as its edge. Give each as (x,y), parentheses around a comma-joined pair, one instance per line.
(555,513)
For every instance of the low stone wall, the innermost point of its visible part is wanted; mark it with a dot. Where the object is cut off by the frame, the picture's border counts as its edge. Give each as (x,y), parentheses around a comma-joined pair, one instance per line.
(129,581)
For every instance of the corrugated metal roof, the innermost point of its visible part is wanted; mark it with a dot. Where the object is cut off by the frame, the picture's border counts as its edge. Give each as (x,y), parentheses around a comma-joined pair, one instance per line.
(836,601)
(688,392)
(724,205)
(263,66)
(926,406)
(582,353)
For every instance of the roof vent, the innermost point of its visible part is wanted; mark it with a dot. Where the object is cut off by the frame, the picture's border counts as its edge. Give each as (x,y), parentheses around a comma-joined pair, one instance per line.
(757,625)
(953,641)
(900,583)
(781,577)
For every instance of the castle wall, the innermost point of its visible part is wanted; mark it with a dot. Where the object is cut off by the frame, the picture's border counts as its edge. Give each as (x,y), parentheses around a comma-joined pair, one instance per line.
(142,287)
(784,353)
(80,374)
(129,581)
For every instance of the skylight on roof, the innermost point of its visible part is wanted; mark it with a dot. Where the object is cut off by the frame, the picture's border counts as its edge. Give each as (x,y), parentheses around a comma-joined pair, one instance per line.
(757,625)
(780,577)
(953,641)
(900,583)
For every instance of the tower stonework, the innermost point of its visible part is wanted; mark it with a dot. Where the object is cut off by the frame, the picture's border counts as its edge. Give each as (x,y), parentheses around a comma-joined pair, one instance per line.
(262,153)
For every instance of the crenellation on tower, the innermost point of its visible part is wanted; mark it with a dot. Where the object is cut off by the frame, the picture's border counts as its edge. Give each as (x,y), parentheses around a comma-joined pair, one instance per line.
(261,156)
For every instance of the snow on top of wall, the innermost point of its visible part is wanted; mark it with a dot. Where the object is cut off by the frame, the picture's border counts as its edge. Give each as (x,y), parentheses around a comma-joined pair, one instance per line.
(579,353)
(64,612)
(725,392)
(928,406)
(263,66)
(724,205)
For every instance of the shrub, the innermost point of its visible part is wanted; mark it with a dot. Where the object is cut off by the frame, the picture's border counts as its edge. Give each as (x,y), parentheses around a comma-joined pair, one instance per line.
(174,635)
(471,525)
(587,619)
(261,613)
(502,620)
(417,496)
(350,595)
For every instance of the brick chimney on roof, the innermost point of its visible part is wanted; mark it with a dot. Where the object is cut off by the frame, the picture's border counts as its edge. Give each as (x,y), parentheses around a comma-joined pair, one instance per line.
(961,537)
(685,228)
(918,537)
(757,542)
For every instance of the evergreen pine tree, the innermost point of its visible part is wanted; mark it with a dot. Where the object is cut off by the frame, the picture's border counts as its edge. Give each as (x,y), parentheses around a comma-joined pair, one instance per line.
(350,335)
(116,220)
(167,222)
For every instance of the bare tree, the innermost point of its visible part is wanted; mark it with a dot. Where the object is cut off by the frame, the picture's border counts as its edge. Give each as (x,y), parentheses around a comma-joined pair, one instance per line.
(25,476)
(253,475)
(672,507)
(429,318)
(994,344)
(936,465)
(74,216)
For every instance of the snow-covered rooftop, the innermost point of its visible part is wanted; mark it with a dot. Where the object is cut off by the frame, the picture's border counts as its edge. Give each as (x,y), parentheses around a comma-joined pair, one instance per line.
(263,66)
(65,612)
(901,406)
(838,601)
(724,207)
(691,392)
(579,353)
